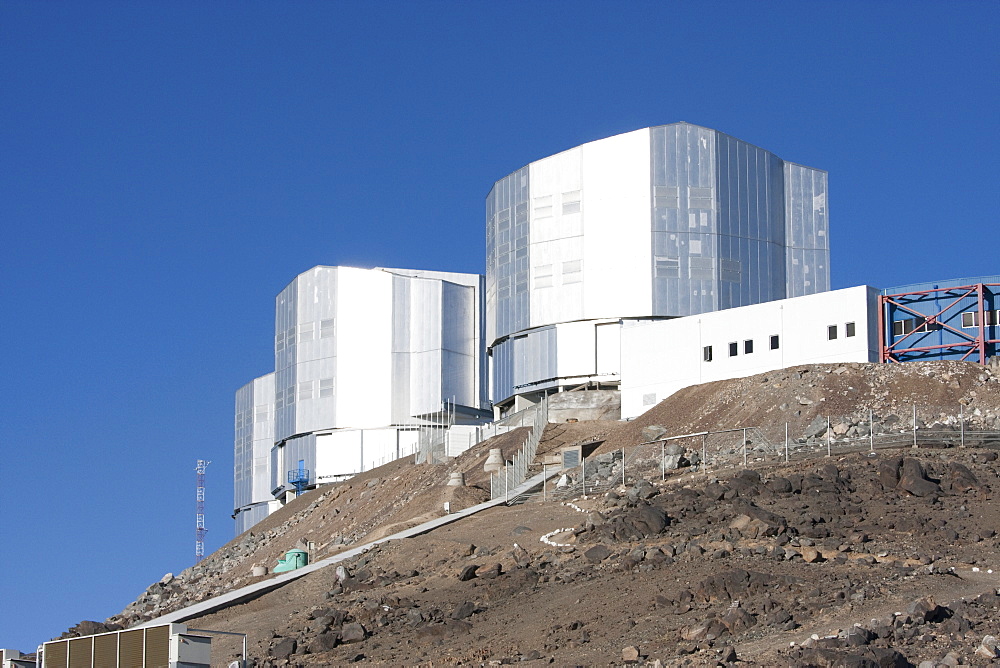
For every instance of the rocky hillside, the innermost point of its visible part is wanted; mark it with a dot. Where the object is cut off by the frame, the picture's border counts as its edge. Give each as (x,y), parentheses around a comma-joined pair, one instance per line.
(884,559)
(844,392)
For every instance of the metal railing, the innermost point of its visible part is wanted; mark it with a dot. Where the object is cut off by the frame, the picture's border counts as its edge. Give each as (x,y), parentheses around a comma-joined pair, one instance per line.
(703,452)
(515,472)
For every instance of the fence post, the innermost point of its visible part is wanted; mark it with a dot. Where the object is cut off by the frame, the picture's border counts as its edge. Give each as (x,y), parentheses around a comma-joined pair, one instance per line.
(623,467)
(744,446)
(663,468)
(871,431)
(961,421)
(544,480)
(506,485)
(914,425)
(829,434)
(786,442)
(584,476)
(704,453)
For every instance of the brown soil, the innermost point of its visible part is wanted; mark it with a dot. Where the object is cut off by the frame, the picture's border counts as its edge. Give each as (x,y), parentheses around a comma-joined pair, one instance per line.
(733,562)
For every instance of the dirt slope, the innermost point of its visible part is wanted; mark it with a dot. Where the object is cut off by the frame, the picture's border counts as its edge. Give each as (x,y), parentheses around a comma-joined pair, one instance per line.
(798,395)
(684,572)
(680,571)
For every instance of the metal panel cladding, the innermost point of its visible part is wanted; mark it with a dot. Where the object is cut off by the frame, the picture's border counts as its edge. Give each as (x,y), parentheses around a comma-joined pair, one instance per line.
(507,262)
(253,439)
(751,237)
(807,231)
(685,225)
(712,221)
(285,321)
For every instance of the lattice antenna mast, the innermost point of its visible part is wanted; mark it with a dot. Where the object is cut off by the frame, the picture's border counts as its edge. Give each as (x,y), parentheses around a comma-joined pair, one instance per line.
(199,513)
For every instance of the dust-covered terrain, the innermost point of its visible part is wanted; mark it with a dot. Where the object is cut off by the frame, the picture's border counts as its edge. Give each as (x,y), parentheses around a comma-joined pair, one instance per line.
(886,558)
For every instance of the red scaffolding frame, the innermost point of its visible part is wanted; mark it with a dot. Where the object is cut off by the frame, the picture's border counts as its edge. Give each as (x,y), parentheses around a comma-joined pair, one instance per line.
(974,341)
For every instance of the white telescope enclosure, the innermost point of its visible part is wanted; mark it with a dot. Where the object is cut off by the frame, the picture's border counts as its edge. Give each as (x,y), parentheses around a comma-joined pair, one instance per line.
(662,222)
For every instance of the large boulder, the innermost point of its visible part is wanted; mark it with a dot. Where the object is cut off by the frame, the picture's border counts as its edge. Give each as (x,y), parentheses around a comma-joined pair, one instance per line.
(913,480)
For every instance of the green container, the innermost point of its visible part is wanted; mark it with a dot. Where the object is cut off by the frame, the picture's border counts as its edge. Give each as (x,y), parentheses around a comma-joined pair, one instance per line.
(293,559)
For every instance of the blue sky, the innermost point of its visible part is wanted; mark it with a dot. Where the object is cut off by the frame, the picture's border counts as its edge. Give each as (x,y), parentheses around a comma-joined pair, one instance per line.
(167,168)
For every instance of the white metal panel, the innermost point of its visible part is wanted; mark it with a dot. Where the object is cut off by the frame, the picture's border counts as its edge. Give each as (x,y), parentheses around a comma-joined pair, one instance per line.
(379,446)
(576,349)
(661,357)
(609,342)
(617,226)
(556,214)
(364,344)
(338,454)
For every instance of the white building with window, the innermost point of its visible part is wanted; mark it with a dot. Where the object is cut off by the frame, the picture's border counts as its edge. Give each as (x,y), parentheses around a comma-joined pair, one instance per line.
(660,357)
(363,358)
(663,222)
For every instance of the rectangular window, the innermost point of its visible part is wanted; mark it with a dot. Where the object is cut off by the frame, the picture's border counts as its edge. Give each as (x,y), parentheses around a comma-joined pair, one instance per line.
(305,390)
(667,267)
(571,202)
(666,197)
(572,272)
(774,342)
(706,353)
(831,332)
(543,276)
(748,346)
(306,330)
(325,388)
(734,349)
(849,330)
(327,328)
(904,327)
(702,268)
(971,318)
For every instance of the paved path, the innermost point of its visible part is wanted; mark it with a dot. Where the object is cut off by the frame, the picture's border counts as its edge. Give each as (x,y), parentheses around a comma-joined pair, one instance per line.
(259,588)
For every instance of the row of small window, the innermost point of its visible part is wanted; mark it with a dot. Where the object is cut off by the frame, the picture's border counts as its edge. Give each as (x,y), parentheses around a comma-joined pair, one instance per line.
(306,332)
(544,206)
(307,389)
(832,331)
(572,272)
(969,319)
(734,347)
(699,268)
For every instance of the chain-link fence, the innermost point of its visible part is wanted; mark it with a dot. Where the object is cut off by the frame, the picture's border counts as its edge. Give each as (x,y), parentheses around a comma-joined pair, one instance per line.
(744,446)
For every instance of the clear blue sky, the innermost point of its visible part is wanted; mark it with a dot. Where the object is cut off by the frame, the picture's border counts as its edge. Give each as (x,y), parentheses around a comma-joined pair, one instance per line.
(167,168)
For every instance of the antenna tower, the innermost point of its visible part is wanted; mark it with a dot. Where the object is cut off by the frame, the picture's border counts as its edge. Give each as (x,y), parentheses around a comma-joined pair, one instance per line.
(199,513)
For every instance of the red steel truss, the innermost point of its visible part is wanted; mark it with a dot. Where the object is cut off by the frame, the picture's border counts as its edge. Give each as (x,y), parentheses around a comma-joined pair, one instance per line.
(970,340)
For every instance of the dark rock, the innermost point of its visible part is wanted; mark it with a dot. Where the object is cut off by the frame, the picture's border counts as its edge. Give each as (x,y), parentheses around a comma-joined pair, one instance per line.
(737,620)
(353,632)
(780,485)
(324,642)
(597,554)
(468,573)
(959,479)
(284,648)
(913,480)
(888,472)
(463,610)
(491,572)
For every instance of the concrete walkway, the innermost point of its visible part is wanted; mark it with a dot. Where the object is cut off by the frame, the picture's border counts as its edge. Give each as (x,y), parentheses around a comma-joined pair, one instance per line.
(259,588)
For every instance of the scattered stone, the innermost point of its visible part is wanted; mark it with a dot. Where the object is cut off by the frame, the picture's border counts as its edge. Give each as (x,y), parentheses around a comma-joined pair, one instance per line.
(597,554)
(468,572)
(353,632)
